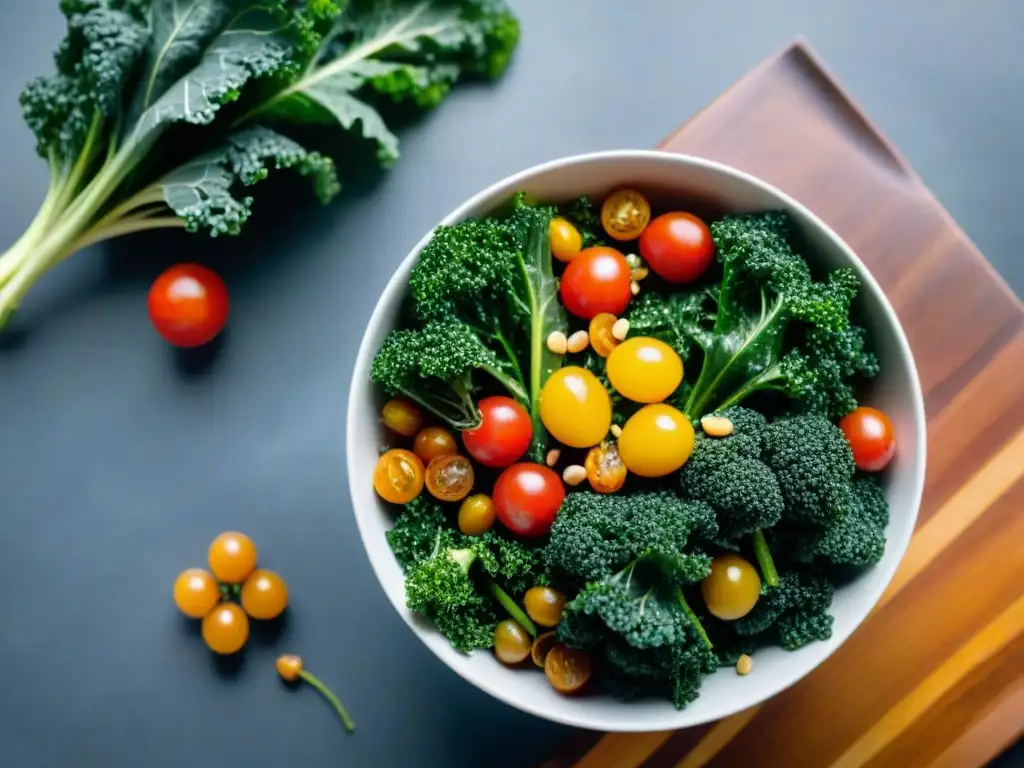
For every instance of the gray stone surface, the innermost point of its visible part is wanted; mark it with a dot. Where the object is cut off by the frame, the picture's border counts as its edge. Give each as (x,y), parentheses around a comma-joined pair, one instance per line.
(120,459)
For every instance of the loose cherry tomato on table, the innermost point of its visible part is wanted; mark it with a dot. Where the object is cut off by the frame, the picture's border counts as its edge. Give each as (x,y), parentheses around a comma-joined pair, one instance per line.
(402,416)
(188,305)
(232,557)
(645,370)
(504,433)
(596,281)
(398,476)
(432,442)
(575,407)
(566,240)
(871,438)
(450,478)
(625,214)
(678,247)
(225,628)
(656,441)
(732,588)
(527,498)
(196,592)
(264,595)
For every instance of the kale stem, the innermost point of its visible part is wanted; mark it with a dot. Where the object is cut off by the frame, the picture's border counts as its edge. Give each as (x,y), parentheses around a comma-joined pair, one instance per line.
(328,694)
(511,606)
(763,553)
(693,617)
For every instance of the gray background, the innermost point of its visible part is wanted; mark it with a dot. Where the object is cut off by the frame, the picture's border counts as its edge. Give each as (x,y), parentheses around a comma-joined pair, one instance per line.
(119,460)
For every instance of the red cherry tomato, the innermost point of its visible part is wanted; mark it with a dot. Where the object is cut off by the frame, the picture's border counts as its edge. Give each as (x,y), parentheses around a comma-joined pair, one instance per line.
(526,499)
(503,436)
(596,281)
(188,305)
(871,437)
(677,246)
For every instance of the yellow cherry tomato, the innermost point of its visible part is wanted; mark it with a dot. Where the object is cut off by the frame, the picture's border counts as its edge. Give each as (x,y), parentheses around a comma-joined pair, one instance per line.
(450,478)
(476,515)
(601,338)
(732,588)
(575,407)
(402,416)
(625,214)
(656,441)
(645,370)
(566,241)
(398,476)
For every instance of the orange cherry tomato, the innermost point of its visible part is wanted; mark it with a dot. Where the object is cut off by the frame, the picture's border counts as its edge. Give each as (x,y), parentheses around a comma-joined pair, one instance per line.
(289,667)
(566,240)
(542,647)
(476,515)
(601,338)
(188,305)
(402,416)
(605,468)
(567,669)
(625,214)
(432,442)
(398,476)
(225,629)
(871,438)
(450,478)
(596,281)
(196,592)
(264,595)
(232,557)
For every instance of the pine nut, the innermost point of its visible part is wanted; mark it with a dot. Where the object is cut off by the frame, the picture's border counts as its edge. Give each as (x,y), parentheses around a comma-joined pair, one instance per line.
(616,431)
(620,329)
(634,287)
(744,664)
(574,474)
(716,426)
(578,341)
(633,260)
(552,458)
(557,342)
(639,273)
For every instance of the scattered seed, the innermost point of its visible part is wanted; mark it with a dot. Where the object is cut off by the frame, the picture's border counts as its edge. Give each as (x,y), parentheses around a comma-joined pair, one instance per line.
(620,329)
(633,260)
(574,474)
(616,431)
(716,426)
(557,342)
(639,273)
(634,287)
(552,458)
(578,342)
(744,664)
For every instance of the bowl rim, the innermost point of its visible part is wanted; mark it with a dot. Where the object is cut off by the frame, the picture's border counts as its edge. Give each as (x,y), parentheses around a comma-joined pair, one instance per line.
(509,184)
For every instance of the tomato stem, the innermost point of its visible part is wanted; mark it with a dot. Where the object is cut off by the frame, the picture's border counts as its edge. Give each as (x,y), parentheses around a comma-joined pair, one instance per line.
(328,694)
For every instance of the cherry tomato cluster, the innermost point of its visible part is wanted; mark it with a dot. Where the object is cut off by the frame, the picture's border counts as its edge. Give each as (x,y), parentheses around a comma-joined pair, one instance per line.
(208,595)
(525,497)
(188,305)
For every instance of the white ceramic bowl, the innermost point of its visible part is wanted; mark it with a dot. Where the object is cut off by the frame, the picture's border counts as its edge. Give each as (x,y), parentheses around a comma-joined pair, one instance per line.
(896,390)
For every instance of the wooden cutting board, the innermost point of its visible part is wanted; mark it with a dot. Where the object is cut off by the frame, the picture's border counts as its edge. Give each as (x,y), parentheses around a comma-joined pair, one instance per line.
(935,676)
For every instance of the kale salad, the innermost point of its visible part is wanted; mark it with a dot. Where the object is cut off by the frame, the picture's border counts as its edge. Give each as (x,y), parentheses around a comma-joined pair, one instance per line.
(626,445)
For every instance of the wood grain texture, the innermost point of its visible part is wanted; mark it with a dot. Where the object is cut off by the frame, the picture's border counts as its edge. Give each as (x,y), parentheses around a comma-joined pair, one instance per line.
(942,645)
